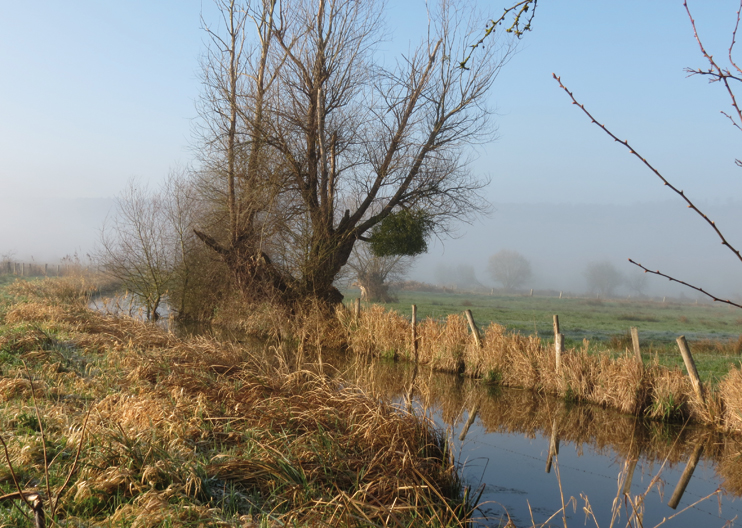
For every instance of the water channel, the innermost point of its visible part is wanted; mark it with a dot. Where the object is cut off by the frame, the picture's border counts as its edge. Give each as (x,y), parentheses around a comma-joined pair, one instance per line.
(597,454)
(529,454)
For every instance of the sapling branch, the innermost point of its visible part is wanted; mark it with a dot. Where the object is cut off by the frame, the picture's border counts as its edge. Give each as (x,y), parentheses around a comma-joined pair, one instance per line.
(673,279)
(679,192)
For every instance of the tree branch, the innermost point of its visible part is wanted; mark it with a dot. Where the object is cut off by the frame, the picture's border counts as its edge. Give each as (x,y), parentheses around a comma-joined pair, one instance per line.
(679,192)
(673,279)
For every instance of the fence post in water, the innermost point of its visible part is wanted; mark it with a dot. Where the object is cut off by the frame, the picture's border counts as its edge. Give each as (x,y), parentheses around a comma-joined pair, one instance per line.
(635,343)
(690,366)
(685,477)
(473,326)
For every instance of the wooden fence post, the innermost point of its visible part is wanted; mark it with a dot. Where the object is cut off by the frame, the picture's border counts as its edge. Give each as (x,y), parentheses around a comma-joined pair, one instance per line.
(414,331)
(473,326)
(556,326)
(358,309)
(558,348)
(531,294)
(690,366)
(635,343)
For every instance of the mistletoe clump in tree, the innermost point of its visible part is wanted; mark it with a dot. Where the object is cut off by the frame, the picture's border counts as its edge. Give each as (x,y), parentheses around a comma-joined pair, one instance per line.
(311,143)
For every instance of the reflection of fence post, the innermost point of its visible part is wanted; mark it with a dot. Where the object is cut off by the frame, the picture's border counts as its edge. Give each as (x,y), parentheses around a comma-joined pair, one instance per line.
(473,326)
(690,367)
(685,477)
(635,343)
(553,445)
(629,475)
(469,421)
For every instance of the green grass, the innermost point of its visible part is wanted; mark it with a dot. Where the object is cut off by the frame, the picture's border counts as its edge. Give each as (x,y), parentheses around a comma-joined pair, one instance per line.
(580,318)
(711,329)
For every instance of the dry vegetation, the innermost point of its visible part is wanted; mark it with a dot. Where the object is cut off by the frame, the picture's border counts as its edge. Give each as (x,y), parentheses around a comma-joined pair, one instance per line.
(197,432)
(650,389)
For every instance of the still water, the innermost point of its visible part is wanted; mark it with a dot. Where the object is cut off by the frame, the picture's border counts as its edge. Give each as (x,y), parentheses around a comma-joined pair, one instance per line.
(597,455)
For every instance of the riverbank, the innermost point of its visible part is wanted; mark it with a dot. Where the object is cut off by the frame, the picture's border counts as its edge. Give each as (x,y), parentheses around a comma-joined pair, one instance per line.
(641,388)
(138,427)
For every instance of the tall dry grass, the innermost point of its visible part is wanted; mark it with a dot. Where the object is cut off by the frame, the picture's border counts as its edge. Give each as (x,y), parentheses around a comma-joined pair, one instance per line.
(514,360)
(194,432)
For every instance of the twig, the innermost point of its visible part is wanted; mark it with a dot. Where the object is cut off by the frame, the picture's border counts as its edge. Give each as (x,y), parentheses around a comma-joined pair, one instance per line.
(41,430)
(15,479)
(522,9)
(673,279)
(54,501)
(716,72)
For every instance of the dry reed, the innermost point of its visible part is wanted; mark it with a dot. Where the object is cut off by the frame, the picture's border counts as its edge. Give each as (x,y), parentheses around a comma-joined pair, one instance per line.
(513,360)
(198,432)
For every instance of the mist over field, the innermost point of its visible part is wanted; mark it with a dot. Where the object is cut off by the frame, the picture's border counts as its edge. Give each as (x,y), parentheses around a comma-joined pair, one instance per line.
(559,240)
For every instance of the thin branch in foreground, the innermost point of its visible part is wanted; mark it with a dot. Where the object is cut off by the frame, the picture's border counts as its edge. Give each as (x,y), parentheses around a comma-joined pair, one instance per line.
(679,192)
(673,279)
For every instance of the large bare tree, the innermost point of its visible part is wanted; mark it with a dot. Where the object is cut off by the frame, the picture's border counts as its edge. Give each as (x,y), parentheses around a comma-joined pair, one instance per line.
(310,140)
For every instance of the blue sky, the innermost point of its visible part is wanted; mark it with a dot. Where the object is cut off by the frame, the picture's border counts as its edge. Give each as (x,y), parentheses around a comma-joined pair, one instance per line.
(93,93)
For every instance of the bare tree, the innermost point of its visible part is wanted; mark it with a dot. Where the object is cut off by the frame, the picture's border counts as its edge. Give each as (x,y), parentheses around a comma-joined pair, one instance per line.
(456,276)
(145,244)
(509,268)
(372,273)
(727,76)
(312,142)
(602,278)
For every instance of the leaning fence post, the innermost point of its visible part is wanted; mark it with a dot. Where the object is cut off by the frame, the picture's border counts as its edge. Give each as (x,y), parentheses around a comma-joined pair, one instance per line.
(473,326)
(635,343)
(690,367)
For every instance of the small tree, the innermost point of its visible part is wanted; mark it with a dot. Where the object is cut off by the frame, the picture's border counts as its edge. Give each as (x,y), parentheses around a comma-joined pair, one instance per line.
(509,268)
(372,273)
(602,278)
(146,243)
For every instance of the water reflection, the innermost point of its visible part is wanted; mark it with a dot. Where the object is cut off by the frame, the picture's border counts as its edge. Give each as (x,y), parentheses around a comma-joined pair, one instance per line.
(528,450)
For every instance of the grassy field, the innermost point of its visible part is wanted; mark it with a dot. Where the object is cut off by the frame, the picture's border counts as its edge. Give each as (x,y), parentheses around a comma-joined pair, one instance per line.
(580,318)
(712,329)
(117,422)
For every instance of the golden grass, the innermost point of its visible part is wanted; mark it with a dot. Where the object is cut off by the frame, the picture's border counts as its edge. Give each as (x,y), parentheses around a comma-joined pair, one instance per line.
(198,432)
(513,360)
